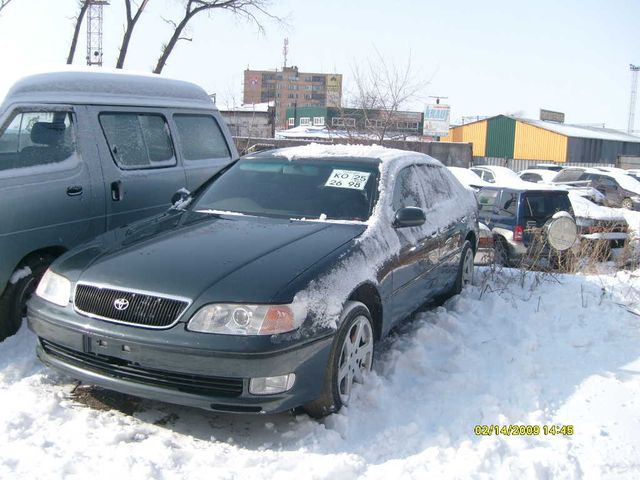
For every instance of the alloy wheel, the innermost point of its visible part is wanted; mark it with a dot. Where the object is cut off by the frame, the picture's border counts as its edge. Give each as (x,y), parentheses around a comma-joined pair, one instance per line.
(356,356)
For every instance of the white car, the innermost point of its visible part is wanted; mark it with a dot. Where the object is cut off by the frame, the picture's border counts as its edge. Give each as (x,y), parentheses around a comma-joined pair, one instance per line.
(495,174)
(468,178)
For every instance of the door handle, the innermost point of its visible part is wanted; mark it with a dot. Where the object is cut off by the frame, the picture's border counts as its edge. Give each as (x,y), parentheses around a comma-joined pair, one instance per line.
(117,191)
(74,190)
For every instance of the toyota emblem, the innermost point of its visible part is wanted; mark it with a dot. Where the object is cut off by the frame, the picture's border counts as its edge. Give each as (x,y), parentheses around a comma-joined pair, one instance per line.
(121,304)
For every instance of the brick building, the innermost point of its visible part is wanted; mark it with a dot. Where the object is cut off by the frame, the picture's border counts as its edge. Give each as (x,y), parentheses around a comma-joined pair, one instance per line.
(289,88)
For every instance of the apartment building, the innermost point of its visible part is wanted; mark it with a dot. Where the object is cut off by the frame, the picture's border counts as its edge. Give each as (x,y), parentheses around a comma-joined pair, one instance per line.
(290,88)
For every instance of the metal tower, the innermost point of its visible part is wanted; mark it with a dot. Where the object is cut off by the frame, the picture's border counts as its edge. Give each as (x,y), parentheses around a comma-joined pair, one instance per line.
(94,31)
(634,91)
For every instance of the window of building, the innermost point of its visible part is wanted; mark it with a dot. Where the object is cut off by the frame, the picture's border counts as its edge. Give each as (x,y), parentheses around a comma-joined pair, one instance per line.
(307,96)
(374,123)
(200,137)
(305,121)
(318,121)
(291,95)
(291,121)
(308,79)
(138,140)
(37,138)
(343,122)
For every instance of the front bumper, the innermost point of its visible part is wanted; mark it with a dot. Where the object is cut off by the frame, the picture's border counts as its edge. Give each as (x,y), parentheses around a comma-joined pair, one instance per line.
(159,365)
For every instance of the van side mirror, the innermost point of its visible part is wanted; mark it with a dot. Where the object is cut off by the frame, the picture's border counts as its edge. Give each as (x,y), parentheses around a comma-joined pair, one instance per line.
(180,197)
(409,217)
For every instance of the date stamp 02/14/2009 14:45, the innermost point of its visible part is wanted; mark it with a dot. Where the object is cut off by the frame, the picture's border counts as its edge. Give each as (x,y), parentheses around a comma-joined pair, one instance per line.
(508,430)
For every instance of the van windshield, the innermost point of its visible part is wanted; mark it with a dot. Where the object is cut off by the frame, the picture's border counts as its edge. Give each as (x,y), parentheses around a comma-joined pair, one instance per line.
(304,188)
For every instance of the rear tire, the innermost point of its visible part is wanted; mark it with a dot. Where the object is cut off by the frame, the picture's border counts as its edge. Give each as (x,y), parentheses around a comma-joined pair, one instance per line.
(13,302)
(351,357)
(627,203)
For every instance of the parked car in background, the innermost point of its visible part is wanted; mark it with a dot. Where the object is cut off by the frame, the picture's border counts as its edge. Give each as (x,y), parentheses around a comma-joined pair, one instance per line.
(495,174)
(84,152)
(530,225)
(547,177)
(268,288)
(619,189)
(549,166)
(601,230)
(468,178)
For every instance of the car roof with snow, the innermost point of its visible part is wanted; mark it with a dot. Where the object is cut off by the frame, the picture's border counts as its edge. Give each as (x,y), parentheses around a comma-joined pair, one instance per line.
(372,154)
(107,88)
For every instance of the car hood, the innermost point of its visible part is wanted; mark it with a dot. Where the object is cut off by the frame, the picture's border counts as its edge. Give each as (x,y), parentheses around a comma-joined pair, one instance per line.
(228,258)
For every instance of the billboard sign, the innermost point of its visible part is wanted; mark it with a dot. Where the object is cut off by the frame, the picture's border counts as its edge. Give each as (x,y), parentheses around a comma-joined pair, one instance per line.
(436,120)
(551,116)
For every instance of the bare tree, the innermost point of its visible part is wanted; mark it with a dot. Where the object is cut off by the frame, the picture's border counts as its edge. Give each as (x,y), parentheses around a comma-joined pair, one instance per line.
(4,3)
(249,9)
(131,23)
(382,90)
(83,5)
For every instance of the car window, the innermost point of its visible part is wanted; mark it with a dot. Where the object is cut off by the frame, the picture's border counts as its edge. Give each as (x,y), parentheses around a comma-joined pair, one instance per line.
(138,140)
(487,199)
(508,204)
(568,175)
(531,177)
(407,190)
(305,188)
(539,206)
(37,138)
(436,182)
(201,137)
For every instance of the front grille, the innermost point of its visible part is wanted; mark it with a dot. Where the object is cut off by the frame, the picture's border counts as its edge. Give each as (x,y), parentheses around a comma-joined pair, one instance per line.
(142,309)
(125,370)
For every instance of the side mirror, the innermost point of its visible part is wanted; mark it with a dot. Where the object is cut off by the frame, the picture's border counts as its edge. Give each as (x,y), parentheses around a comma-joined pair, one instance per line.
(409,217)
(180,197)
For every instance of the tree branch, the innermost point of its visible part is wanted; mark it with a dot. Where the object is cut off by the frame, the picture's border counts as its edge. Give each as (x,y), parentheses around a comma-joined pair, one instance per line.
(131,23)
(248,9)
(4,3)
(84,5)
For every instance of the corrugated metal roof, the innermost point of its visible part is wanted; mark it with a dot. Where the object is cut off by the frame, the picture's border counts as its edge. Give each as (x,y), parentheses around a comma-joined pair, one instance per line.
(581,131)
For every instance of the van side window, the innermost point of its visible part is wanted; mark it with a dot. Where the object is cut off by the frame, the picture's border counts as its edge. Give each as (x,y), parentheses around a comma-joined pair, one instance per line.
(201,137)
(138,140)
(37,138)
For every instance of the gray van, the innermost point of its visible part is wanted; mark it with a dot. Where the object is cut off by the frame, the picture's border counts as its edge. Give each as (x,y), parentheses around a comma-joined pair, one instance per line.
(85,152)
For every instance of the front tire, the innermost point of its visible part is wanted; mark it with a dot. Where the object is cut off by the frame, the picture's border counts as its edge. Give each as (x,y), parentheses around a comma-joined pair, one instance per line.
(627,203)
(350,359)
(13,302)
(465,269)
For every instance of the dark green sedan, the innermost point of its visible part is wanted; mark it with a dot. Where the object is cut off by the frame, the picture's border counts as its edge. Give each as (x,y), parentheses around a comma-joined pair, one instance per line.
(268,287)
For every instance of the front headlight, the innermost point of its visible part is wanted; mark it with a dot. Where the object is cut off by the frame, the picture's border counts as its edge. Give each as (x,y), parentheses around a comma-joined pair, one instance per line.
(54,288)
(241,319)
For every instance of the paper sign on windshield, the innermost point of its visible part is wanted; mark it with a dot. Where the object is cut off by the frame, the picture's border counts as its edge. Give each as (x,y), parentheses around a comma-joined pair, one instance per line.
(347,179)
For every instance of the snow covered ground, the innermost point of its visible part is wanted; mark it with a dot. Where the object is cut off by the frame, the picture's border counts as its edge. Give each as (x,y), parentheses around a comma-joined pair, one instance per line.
(515,348)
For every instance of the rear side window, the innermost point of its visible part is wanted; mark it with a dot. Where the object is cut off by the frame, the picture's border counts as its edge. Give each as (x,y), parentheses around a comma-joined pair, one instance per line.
(201,137)
(568,176)
(37,138)
(487,199)
(508,204)
(531,177)
(542,206)
(138,140)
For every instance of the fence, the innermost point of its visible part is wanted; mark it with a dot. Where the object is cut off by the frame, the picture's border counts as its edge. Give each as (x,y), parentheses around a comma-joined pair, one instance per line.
(451,154)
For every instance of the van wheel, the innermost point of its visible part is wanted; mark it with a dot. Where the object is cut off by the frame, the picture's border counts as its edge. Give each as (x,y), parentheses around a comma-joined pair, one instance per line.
(351,358)
(627,203)
(13,302)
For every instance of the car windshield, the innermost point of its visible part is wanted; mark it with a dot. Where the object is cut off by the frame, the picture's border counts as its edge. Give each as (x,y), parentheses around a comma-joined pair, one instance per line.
(302,188)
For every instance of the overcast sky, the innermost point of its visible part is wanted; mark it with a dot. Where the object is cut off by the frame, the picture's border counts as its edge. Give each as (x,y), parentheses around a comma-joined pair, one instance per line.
(488,57)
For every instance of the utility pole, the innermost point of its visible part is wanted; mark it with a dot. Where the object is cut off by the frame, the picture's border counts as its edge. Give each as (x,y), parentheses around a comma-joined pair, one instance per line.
(634,91)
(94,32)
